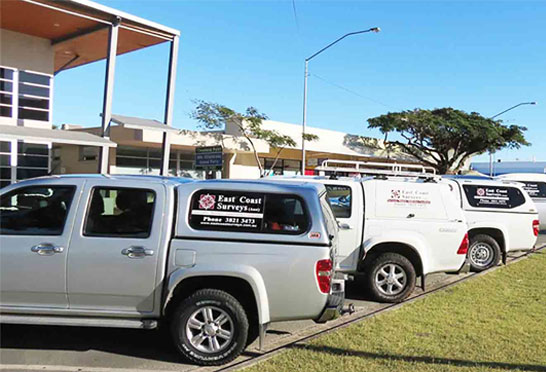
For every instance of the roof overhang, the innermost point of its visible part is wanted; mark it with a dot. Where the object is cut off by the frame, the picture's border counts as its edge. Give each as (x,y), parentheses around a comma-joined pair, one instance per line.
(11,132)
(78,29)
(132,122)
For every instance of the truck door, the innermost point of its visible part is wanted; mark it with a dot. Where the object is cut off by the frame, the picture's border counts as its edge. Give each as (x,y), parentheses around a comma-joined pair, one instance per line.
(114,251)
(35,226)
(347,205)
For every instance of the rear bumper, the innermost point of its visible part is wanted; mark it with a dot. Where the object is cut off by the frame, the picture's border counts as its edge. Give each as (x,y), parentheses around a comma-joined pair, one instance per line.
(335,302)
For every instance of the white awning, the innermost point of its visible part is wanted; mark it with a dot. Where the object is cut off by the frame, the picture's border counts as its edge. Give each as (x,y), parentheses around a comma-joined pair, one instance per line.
(11,132)
(132,122)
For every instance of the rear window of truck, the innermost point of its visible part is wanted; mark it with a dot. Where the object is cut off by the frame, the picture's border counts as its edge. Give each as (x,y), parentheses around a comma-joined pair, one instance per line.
(535,189)
(252,212)
(499,197)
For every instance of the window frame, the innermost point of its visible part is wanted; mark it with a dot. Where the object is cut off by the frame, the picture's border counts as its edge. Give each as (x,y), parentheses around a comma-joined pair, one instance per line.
(538,183)
(18,109)
(350,201)
(90,200)
(496,207)
(19,189)
(261,230)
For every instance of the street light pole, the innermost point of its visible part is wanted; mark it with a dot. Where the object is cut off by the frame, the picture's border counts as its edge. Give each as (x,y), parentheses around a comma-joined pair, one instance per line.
(306,75)
(494,116)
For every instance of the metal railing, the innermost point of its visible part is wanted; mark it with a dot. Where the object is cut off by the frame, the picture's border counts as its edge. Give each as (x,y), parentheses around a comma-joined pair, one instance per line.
(375,168)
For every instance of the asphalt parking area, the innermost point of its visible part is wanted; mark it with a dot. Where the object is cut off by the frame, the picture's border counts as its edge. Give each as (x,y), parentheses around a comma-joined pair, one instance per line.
(71,349)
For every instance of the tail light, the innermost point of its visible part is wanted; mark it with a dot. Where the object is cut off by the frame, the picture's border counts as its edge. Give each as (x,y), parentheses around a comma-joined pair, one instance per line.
(463,248)
(535,227)
(324,275)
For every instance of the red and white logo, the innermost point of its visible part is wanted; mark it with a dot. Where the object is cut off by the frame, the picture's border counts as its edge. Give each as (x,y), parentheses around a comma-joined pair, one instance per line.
(207,201)
(480,192)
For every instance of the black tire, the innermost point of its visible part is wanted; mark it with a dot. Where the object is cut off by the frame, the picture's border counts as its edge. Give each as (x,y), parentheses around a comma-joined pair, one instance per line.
(196,307)
(484,252)
(400,289)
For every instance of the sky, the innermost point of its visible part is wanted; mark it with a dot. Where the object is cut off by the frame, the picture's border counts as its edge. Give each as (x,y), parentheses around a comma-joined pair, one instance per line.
(477,56)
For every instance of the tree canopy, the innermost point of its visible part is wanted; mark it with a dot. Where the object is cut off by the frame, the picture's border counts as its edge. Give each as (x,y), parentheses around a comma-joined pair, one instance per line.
(446,138)
(214,116)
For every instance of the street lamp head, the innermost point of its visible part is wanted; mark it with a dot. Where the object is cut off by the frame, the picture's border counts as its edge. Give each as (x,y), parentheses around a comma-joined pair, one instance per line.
(532,103)
(375,29)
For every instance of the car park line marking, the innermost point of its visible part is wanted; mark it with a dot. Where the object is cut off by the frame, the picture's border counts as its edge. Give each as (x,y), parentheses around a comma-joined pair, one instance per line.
(279,349)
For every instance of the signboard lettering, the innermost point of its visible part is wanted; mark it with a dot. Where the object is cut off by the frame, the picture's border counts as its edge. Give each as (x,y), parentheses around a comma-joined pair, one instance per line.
(227,210)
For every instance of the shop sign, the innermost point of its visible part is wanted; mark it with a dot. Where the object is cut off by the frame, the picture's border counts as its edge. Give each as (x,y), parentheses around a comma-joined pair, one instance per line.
(209,158)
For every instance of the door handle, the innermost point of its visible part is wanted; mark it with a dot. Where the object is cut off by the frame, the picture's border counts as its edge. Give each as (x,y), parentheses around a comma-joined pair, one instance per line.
(137,252)
(46,249)
(344,226)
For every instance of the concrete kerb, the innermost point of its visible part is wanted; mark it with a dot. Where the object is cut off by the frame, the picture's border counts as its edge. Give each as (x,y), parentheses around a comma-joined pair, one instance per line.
(343,322)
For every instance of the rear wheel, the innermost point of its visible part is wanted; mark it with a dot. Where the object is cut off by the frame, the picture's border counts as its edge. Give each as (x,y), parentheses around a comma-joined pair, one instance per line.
(210,327)
(484,252)
(391,278)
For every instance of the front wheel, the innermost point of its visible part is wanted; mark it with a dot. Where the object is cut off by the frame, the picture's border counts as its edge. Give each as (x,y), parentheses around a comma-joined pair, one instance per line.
(210,327)
(391,278)
(484,252)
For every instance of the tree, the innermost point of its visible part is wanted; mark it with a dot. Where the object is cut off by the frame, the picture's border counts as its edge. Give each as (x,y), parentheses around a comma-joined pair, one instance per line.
(213,116)
(446,138)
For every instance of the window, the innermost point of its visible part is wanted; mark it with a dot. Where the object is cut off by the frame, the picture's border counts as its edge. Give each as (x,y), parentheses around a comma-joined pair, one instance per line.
(6,92)
(535,189)
(89,153)
(35,210)
(282,166)
(248,212)
(32,160)
(25,95)
(34,96)
(120,212)
(483,196)
(5,163)
(340,200)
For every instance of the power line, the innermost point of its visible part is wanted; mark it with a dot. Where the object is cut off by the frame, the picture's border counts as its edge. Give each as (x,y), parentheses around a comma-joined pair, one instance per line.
(354,93)
(296,16)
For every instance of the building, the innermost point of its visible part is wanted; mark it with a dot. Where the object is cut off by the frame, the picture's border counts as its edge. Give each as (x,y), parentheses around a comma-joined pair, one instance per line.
(504,167)
(139,141)
(41,38)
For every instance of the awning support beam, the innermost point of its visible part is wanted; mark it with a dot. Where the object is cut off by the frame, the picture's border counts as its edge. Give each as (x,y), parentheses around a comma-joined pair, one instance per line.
(169,103)
(108,93)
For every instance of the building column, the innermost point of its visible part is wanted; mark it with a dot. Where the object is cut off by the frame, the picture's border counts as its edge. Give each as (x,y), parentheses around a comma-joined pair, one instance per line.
(169,103)
(108,93)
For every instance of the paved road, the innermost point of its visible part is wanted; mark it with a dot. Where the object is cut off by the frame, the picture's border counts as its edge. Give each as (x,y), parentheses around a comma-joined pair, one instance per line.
(63,349)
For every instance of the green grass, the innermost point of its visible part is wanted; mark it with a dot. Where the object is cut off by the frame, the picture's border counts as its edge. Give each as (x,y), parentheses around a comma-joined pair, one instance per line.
(496,322)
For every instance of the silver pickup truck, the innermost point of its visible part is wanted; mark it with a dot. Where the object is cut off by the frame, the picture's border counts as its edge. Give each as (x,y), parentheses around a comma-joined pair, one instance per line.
(215,260)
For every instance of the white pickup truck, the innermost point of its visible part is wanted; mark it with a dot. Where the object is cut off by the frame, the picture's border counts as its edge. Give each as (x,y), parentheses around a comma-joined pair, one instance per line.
(394,229)
(216,261)
(535,185)
(501,218)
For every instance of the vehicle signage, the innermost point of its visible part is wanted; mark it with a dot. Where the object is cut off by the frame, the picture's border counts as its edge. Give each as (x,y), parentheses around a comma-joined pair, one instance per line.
(535,189)
(227,210)
(481,196)
(408,197)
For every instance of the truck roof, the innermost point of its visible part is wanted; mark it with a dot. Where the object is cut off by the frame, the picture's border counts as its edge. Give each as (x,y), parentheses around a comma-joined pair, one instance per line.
(176,181)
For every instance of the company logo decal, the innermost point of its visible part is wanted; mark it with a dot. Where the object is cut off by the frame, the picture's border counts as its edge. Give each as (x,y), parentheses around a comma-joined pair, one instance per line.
(207,201)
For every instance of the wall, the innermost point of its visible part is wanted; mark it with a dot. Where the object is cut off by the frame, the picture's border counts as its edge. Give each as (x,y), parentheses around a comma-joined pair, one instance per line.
(26,52)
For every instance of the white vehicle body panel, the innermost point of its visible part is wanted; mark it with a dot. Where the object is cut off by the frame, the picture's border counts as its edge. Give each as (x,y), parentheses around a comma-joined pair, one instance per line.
(515,224)
(423,216)
(539,199)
